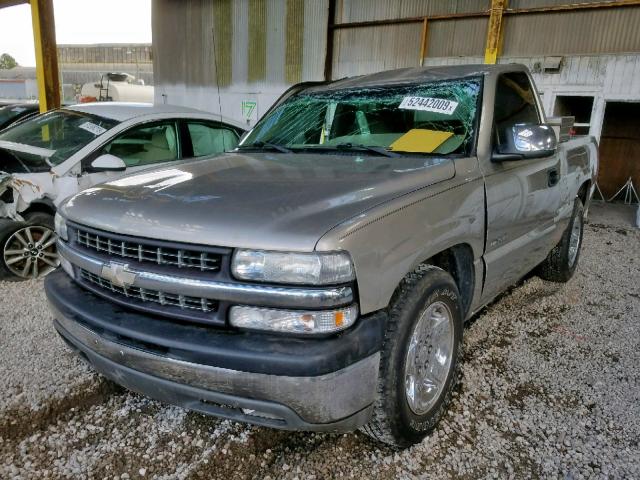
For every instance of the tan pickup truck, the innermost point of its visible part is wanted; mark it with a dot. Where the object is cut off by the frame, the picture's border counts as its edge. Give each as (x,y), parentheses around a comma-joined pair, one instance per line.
(319,276)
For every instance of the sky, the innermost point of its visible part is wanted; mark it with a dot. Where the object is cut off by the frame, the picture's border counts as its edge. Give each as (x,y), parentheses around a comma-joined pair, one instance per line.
(77,21)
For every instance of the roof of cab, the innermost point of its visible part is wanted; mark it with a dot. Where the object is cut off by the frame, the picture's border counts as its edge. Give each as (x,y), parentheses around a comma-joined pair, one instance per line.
(420,74)
(122,111)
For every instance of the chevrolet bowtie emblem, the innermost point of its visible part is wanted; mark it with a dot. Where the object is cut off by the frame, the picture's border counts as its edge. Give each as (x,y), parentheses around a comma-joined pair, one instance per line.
(118,274)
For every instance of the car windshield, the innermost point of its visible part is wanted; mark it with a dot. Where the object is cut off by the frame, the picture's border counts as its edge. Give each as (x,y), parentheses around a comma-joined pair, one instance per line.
(426,118)
(51,138)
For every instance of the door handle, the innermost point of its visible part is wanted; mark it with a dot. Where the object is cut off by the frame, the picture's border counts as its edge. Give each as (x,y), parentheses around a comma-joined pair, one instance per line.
(553,177)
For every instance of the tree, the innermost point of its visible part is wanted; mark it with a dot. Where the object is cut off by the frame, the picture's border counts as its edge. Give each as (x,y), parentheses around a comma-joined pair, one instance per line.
(7,61)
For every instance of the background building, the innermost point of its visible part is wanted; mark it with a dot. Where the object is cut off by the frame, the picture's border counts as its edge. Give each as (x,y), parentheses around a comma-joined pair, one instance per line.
(79,64)
(238,56)
(18,83)
(86,63)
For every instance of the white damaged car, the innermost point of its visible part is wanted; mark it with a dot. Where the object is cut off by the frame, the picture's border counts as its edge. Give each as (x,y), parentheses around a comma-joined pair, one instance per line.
(46,159)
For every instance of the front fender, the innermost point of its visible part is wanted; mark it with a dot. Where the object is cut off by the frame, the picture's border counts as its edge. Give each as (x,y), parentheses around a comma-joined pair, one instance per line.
(391,240)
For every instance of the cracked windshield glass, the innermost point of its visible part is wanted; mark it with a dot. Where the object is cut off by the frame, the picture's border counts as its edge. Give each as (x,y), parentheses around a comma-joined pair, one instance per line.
(426,118)
(49,139)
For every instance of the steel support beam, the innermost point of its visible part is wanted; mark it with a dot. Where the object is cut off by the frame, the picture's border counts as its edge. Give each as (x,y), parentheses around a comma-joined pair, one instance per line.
(423,40)
(44,39)
(328,56)
(494,31)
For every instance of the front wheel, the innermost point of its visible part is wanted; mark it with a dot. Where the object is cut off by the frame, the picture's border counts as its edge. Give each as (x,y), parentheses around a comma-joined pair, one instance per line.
(561,263)
(420,358)
(29,248)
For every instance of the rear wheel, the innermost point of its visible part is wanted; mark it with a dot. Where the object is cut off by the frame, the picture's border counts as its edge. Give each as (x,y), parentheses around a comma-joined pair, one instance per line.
(420,358)
(561,263)
(29,248)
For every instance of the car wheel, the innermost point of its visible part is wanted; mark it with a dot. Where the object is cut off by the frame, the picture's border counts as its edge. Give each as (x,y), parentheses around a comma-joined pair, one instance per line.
(29,248)
(561,263)
(420,358)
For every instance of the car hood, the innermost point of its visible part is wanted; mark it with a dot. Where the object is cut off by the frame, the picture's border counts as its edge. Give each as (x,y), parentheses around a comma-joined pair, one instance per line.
(265,201)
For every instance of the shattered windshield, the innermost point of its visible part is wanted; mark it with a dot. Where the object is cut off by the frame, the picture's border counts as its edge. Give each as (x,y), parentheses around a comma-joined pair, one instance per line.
(49,139)
(429,118)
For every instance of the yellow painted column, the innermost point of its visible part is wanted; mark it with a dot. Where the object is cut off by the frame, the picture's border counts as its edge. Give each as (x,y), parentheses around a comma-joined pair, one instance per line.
(423,41)
(44,39)
(494,31)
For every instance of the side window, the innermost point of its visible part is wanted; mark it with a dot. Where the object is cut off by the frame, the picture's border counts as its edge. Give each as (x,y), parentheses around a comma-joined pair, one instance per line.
(146,145)
(209,139)
(515,103)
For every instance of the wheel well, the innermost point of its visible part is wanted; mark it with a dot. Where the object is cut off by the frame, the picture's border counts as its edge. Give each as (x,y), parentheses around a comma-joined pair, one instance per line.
(583,192)
(458,262)
(42,207)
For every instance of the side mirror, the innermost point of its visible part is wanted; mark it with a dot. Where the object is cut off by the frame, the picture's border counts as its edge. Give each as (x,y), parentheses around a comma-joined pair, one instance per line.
(108,163)
(526,141)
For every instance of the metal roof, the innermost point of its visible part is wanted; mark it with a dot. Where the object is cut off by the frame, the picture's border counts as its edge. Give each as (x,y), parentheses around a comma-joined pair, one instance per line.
(122,111)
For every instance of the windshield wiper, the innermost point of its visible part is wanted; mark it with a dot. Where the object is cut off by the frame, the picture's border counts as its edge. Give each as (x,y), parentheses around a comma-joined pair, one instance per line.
(379,150)
(267,145)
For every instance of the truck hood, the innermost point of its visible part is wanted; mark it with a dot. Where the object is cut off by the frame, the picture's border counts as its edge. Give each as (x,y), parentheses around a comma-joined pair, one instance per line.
(259,200)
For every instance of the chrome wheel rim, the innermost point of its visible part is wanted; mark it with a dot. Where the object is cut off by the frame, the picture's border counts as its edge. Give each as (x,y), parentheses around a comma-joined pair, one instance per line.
(574,240)
(429,357)
(30,252)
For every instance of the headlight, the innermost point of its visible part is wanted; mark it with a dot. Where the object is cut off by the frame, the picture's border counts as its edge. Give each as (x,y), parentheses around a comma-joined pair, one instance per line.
(61,227)
(293,321)
(317,268)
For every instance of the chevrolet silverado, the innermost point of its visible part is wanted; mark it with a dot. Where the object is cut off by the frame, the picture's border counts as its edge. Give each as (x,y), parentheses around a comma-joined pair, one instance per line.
(319,276)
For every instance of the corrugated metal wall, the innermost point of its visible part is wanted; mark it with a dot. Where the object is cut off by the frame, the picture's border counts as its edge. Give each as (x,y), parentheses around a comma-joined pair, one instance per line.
(254,49)
(570,33)
(251,41)
(545,3)
(182,38)
(371,49)
(463,37)
(364,10)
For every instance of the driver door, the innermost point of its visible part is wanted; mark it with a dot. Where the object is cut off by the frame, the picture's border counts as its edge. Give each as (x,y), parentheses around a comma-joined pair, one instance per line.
(523,196)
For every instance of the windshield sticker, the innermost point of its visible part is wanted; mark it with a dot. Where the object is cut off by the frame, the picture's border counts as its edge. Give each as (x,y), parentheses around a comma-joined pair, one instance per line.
(92,128)
(18,109)
(429,104)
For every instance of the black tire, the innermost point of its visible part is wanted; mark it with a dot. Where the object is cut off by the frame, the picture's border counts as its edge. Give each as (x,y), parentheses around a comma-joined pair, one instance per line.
(393,421)
(560,265)
(9,228)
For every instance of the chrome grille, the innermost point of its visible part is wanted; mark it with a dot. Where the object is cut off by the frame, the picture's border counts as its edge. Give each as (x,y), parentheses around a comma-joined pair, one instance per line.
(146,253)
(183,302)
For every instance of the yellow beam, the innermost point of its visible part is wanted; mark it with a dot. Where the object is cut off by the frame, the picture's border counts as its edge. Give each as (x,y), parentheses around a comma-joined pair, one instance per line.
(494,31)
(423,41)
(44,39)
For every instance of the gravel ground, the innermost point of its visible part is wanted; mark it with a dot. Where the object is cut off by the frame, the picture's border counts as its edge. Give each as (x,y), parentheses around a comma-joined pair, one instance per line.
(550,389)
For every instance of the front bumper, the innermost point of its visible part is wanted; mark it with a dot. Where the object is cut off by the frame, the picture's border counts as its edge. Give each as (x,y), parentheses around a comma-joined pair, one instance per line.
(300,384)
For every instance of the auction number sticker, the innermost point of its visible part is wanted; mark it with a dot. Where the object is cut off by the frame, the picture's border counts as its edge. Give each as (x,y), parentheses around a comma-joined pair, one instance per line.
(93,128)
(429,104)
